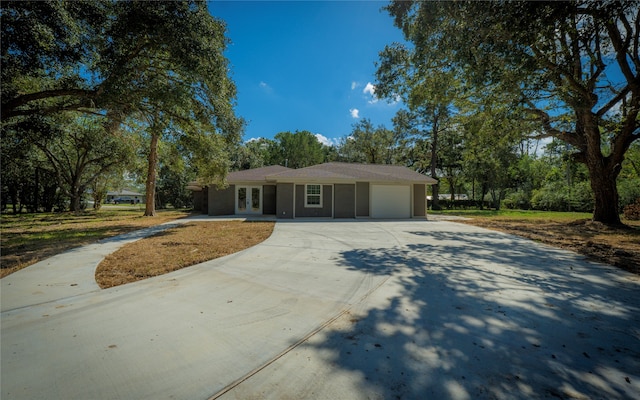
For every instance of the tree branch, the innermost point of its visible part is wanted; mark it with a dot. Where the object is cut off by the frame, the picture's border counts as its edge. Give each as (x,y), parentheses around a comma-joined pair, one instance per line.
(10,108)
(604,109)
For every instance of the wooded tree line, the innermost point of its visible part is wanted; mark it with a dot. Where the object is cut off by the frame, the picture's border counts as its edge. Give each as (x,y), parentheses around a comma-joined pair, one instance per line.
(512,172)
(91,89)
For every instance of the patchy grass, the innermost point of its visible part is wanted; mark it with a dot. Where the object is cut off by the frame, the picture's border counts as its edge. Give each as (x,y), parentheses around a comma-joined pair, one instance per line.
(516,214)
(177,248)
(29,238)
(619,246)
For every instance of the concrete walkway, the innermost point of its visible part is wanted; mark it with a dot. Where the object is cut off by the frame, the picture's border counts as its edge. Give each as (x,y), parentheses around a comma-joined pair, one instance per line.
(327,310)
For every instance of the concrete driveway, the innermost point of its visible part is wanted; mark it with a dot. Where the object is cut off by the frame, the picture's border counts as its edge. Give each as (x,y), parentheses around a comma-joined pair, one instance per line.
(336,310)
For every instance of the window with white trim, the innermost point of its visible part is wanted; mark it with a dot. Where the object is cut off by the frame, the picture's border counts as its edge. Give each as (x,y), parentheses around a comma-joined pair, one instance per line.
(313,195)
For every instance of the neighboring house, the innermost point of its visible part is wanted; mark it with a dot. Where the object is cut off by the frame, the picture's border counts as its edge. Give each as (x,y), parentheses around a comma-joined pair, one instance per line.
(124,197)
(330,190)
(447,196)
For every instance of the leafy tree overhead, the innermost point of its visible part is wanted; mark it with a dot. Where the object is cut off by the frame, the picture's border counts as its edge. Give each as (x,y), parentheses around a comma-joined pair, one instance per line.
(574,66)
(404,74)
(159,63)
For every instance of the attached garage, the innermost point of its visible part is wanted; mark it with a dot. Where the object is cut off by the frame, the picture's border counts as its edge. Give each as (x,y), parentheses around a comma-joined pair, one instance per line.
(391,201)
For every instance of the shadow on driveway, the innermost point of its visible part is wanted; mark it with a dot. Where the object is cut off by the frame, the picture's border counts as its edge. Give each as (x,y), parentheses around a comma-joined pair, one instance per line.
(487,315)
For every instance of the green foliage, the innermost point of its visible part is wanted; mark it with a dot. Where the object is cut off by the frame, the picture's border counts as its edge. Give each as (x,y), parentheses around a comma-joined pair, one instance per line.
(296,150)
(517,200)
(160,65)
(629,190)
(65,156)
(369,144)
(555,68)
(558,196)
(253,154)
(172,189)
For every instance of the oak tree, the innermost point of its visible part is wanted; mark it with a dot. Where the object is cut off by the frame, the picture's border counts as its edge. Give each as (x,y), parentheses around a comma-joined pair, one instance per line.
(574,65)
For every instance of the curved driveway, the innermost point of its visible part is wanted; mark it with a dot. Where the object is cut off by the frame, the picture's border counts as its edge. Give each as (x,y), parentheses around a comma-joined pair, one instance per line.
(331,309)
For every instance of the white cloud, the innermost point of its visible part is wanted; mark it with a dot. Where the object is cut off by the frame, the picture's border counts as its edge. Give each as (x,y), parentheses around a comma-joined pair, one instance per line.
(265,87)
(354,85)
(253,139)
(325,140)
(355,113)
(371,90)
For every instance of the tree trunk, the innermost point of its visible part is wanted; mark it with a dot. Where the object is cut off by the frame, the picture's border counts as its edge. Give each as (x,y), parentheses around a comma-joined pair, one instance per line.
(75,194)
(36,191)
(605,193)
(603,171)
(435,203)
(150,206)
(74,204)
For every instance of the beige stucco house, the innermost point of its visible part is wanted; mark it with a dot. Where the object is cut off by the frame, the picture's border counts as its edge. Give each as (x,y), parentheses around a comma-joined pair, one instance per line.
(330,190)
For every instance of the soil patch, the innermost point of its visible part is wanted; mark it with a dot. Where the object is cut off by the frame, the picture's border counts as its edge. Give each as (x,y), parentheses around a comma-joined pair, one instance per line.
(177,248)
(615,245)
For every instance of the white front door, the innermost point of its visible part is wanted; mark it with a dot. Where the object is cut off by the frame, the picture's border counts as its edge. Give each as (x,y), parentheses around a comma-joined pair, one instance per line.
(248,199)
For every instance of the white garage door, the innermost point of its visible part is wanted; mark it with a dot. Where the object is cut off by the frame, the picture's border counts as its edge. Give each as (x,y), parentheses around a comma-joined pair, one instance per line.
(390,201)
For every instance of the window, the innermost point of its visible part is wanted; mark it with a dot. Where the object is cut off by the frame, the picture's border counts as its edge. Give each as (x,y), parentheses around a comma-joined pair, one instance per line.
(313,195)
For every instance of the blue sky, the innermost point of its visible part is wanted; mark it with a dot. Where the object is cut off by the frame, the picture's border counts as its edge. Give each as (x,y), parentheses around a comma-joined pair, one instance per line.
(306,65)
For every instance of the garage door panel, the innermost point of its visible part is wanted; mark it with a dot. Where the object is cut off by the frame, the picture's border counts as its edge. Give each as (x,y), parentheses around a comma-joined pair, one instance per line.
(390,201)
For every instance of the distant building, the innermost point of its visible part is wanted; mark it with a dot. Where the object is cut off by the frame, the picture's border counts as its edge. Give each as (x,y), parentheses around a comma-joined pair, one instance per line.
(447,196)
(124,197)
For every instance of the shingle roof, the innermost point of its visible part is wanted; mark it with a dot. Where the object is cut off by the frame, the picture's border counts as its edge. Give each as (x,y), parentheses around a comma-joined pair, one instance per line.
(256,174)
(349,172)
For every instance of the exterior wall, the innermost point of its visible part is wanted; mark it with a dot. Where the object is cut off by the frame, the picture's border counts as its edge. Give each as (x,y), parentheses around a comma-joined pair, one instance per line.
(362,199)
(222,202)
(419,200)
(345,201)
(284,200)
(324,211)
(268,199)
(198,201)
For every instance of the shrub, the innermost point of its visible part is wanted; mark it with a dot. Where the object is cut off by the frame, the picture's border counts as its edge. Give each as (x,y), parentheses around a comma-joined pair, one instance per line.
(632,211)
(628,191)
(559,197)
(517,200)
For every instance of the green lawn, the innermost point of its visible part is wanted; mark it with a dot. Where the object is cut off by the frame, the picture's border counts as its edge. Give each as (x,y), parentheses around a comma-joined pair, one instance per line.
(516,214)
(28,238)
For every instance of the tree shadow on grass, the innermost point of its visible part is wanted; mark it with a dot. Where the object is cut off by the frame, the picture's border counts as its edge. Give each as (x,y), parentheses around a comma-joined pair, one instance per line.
(485,315)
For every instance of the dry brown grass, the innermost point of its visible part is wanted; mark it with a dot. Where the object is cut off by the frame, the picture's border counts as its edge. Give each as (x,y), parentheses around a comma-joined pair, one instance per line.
(29,238)
(177,248)
(615,245)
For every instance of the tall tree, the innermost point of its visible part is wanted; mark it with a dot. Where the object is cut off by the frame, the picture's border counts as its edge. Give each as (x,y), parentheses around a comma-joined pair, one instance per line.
(161,62)
(491,140)
(373,145)
(79,153)
(403,73)
(297,150)
(575,66)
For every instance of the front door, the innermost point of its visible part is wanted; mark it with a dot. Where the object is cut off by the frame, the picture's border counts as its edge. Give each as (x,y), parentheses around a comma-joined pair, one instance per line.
(248,199)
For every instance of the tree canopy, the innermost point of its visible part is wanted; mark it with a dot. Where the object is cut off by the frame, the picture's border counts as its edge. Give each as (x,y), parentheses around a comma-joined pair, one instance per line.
(159,64)
(574,67)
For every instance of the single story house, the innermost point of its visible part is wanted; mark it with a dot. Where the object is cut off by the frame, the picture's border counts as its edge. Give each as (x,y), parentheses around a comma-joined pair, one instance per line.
(330,190)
